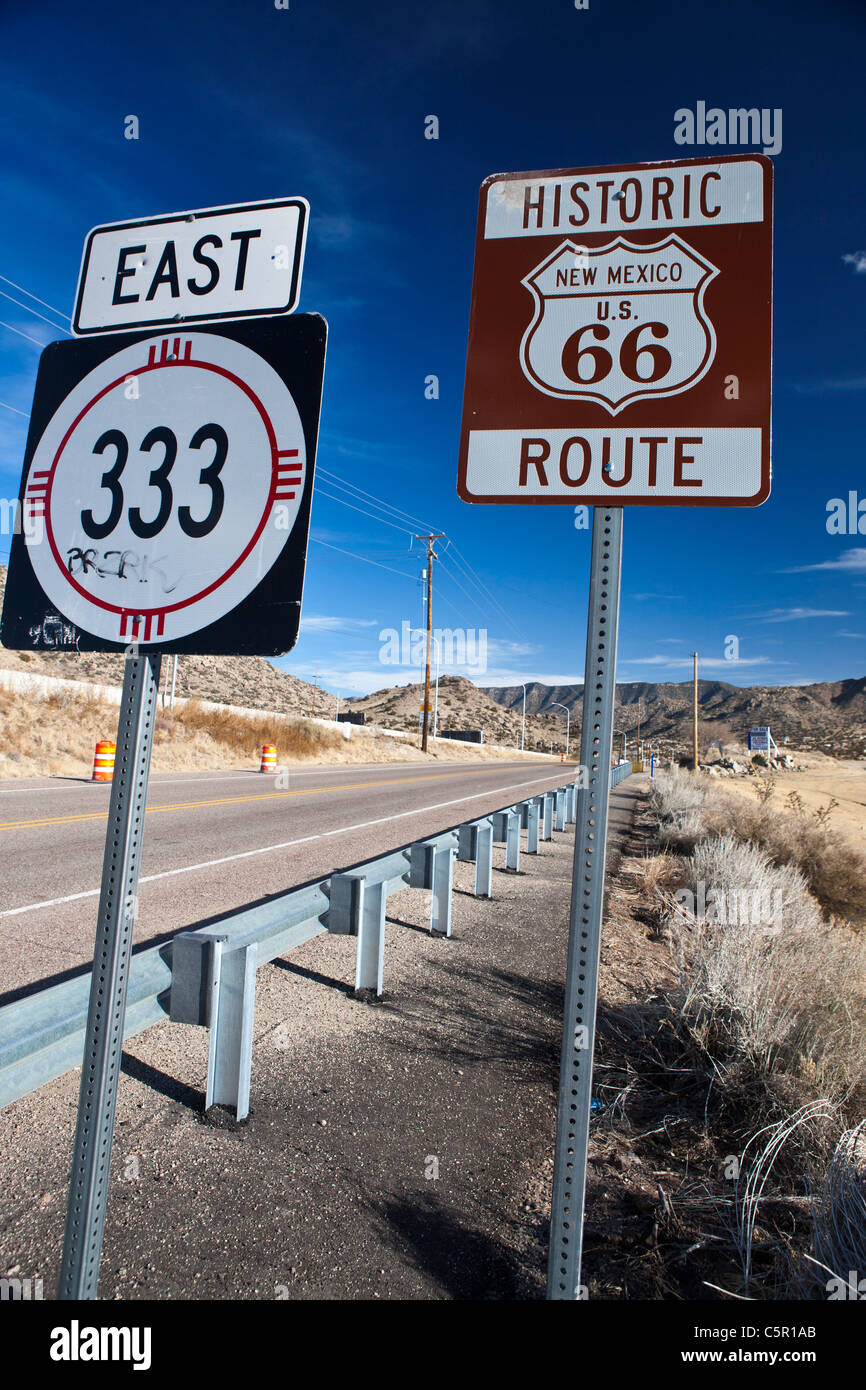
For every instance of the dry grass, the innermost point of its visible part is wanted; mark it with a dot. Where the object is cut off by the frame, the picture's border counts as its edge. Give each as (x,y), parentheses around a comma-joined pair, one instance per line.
(244,736)
(834,869)
(775,996)
(56,736)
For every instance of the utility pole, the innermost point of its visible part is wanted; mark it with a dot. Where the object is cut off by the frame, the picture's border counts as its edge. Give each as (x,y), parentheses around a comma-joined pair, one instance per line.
(638,727)
(695,719)
(313,704)
(430,558)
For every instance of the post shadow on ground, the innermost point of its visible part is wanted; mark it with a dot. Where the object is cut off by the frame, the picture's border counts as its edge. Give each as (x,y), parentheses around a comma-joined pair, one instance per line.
(160,1081)
(465,1262)
(477,1016)
(306,974)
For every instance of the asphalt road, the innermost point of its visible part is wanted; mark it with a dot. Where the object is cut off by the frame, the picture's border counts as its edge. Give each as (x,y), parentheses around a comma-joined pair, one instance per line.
(215,842)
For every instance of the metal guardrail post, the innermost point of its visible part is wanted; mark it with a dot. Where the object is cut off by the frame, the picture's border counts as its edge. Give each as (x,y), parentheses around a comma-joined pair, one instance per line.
(587,898)
(484,860)
(559,802)
(547,817)
(512,842)
(230,1052)
(440,899)
(344,904)
(103,1044)
(42,1036)
(370,959)
(467,843)
(422,858)
(571,805)
(533,819)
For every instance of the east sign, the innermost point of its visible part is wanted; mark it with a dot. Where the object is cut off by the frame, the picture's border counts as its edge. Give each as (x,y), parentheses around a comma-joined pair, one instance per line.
(226,262)
(620,336)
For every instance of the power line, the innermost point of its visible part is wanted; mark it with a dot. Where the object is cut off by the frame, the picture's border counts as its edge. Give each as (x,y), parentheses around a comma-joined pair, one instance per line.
(20,334)
(479,583)
(327,544)
(455,580)
(465,568)
(30,295)
(27,309)
(337,481)
(382,520)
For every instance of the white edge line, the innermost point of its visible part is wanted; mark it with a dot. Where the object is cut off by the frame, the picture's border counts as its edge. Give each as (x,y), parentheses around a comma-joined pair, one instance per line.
(269,849)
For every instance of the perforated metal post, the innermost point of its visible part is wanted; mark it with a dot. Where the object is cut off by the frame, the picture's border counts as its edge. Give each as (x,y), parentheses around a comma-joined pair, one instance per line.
(587,897)
(103,1040)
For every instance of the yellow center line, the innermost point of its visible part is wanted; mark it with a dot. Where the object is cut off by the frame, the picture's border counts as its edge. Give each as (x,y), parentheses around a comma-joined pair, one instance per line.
(236,800)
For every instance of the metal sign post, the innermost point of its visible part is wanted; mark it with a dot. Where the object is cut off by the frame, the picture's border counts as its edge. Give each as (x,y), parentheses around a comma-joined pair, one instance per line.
(91,1164)
(619,355)
(198,546)
(587,898)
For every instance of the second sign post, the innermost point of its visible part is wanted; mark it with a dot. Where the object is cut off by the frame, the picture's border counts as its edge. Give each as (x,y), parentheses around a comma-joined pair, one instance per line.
(619,354)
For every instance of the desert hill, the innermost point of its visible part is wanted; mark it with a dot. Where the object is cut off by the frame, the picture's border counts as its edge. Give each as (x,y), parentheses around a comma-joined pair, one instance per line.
(829,715)
(230,680)
(463,706)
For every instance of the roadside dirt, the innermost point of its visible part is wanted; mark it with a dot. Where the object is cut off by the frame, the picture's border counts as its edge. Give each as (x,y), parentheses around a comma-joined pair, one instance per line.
(821,780)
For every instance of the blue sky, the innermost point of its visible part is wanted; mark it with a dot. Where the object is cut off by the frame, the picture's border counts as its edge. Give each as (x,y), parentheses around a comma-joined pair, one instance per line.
(328,99)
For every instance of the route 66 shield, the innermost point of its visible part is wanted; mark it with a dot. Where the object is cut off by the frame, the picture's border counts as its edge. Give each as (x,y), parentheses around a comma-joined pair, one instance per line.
(619,323)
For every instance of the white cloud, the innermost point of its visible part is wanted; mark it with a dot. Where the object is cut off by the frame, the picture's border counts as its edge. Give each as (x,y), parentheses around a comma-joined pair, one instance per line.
(686,661)
(852,561)
(841,383)
(792,615)
(505,677)
(325,623)
(858,260)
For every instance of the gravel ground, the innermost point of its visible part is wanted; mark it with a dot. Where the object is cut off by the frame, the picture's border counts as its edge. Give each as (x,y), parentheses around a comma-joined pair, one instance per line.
(399,1150)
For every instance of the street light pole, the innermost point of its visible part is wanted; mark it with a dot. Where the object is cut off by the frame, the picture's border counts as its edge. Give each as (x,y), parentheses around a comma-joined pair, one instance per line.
(523,725)
(567,722)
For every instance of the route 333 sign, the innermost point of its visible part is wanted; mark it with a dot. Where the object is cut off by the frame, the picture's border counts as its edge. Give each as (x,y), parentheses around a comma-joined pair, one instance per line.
(166,490)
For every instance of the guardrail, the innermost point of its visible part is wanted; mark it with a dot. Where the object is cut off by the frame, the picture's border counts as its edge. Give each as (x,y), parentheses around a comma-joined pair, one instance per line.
(208,977)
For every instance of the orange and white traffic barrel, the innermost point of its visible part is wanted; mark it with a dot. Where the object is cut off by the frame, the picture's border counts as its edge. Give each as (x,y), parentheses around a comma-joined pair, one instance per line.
(103,761)
(269,758)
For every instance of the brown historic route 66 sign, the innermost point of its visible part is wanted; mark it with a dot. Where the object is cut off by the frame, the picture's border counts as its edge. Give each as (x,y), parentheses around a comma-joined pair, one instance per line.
(620,336)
